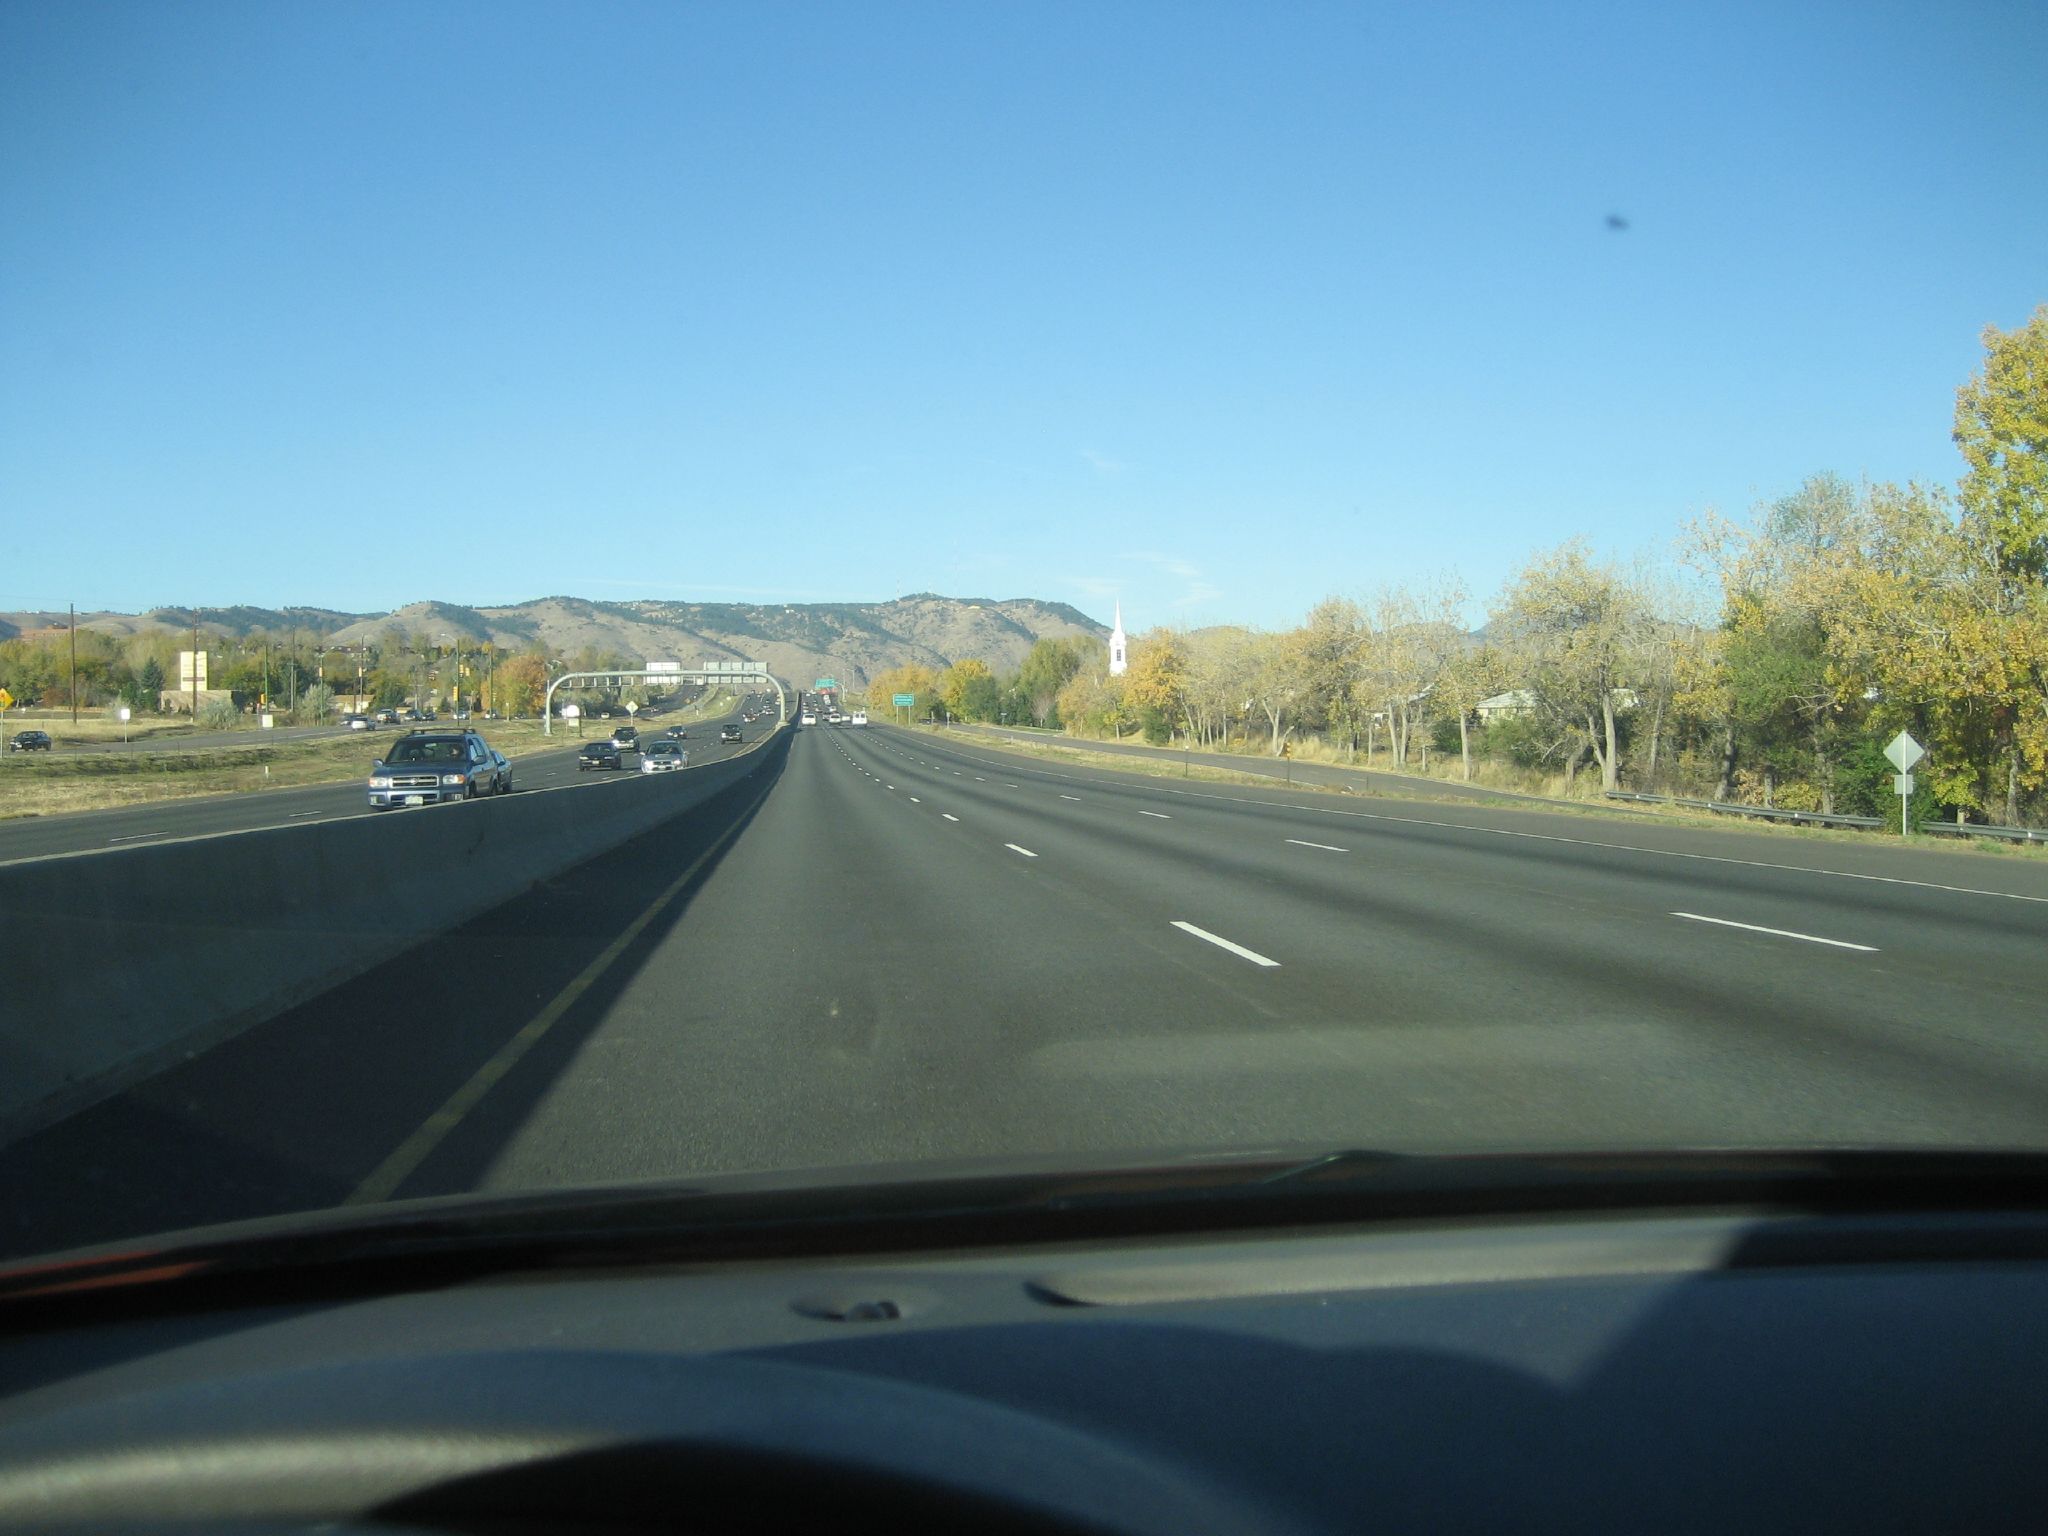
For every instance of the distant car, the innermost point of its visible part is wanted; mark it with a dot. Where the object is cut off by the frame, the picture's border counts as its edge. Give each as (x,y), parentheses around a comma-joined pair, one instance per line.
(386,717)
(428,767)
(732,733)
(625,738)
(460,714)
(808,718)
(663,756)
(860,717)
(677,733)
(359,722)
(597,754)
(29,741)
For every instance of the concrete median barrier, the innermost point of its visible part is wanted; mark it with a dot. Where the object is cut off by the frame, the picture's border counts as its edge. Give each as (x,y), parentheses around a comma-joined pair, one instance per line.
(115,965)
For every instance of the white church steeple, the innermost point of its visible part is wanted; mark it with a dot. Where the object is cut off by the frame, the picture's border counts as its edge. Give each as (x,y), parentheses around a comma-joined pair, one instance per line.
(1118,648)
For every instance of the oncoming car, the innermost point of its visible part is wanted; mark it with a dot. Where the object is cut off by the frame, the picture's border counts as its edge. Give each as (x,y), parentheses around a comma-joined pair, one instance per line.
(663,757)
(597,754)
(426,768)
(731,733)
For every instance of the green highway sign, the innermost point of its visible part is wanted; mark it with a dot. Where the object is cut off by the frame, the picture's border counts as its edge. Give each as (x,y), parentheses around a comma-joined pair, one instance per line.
(825,682)
(905,700)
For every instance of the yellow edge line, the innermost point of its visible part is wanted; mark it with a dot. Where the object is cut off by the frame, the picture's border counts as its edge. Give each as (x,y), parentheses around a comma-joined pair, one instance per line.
(414,1150)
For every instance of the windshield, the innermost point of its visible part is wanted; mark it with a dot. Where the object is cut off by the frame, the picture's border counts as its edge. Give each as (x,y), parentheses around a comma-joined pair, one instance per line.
(1439,579)
(437,750)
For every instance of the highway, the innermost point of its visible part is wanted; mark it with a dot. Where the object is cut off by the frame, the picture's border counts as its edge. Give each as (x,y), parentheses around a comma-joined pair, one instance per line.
(899,946)
(552,767)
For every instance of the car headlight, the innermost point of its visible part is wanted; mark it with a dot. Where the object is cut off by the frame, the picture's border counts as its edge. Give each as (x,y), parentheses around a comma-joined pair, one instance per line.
(380,781)
(451,778)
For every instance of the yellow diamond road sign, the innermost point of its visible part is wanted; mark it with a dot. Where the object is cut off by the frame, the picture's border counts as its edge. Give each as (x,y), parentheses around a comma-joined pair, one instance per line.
(6,699)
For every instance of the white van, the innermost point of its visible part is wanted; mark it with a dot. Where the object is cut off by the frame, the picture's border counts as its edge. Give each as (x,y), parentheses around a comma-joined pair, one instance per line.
(860,717)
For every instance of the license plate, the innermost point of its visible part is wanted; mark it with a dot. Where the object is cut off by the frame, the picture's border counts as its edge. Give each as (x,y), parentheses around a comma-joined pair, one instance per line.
(415,799)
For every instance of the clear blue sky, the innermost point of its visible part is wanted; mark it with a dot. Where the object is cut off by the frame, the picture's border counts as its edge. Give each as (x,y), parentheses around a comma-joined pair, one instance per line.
(1218,308)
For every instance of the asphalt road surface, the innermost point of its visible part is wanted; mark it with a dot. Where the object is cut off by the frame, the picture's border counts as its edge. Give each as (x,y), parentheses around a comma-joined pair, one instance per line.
(897,946)
(550,767)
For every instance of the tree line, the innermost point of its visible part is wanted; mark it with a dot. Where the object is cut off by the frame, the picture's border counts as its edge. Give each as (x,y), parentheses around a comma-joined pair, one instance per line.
(1771,669)
(297,671)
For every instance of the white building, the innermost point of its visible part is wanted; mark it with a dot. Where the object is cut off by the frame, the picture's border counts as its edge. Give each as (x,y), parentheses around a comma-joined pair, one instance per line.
(1119,648)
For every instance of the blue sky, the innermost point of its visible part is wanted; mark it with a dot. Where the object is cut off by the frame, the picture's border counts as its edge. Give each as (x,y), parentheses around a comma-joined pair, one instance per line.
(1218,309)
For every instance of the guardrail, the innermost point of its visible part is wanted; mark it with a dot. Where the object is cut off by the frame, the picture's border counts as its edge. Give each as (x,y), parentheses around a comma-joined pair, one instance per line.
(1973,829)
(1765,812)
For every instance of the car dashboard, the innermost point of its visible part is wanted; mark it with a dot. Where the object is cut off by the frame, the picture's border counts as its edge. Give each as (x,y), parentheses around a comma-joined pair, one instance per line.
(1722,1369)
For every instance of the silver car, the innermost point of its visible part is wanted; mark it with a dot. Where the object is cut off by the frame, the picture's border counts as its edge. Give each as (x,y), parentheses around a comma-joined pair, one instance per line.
(664,757)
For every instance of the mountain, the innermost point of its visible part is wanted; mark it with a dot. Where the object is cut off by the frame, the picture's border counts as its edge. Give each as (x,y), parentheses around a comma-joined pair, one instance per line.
(797,641)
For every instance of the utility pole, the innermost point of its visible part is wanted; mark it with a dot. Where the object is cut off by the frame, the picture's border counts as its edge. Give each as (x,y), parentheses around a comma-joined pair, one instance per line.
(195,666)
(74,663)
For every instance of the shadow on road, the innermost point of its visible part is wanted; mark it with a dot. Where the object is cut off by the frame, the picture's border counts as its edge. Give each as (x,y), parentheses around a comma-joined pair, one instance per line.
(297,1112)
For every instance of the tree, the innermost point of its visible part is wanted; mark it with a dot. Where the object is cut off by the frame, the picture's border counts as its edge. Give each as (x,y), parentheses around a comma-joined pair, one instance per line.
(1095,704)
(1331,643)
(1047,667)
(1157,677)
(316,703)
(519,684)
(919,681)
(2001,428)
(1571,627)
(1410,640)
(969,691)
(1278,681)
(1472,675)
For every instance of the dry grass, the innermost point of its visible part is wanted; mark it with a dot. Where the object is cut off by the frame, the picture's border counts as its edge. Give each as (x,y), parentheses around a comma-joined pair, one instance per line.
(1069,751)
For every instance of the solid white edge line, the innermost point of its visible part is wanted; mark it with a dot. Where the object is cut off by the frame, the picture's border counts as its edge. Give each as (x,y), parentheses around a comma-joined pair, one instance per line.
(1222,943)
(1783,933)
(1304,843)
(1025,851)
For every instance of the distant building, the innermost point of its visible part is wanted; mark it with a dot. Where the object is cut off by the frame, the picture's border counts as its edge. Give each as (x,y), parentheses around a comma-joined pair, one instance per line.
(1119,647)
(1516,701)
(1523,701)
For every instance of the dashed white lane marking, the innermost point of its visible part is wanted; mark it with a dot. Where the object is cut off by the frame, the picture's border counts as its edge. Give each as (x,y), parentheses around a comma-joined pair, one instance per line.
(949,816)
(915,801)
(1782,933)
(132,836)
(1156,815)
(1070,797)
(1326,847)
(1222,943)
(1025,851)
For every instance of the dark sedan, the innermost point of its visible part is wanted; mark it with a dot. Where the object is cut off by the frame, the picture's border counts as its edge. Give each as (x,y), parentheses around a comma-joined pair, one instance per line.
(29,741)
(597,754)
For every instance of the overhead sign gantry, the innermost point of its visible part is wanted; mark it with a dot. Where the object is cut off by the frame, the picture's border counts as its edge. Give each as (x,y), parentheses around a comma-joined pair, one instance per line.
(716,672)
